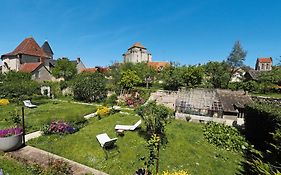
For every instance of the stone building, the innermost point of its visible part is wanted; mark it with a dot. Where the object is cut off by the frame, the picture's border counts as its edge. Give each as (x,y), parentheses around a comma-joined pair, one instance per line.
(136,54)
(264,64)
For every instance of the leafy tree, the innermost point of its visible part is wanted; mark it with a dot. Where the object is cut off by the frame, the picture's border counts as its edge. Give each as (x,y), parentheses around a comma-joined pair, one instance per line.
(90,87)
(192,75)
(155,118)
(236,58)
(171,78)
(217,74)
(64,69)
(273,77)
(129,79)
(18,85)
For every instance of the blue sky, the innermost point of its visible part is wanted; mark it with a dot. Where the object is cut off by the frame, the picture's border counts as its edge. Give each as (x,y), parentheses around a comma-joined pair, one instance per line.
(183,31)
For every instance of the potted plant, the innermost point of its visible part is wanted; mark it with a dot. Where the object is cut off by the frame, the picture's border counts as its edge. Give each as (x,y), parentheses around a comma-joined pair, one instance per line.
(11,139)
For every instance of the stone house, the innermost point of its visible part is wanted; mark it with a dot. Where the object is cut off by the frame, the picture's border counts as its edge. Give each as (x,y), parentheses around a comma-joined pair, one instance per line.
(264,64)
(38,71)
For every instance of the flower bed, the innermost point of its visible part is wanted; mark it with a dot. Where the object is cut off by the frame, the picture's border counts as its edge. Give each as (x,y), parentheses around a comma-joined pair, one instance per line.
(59,127)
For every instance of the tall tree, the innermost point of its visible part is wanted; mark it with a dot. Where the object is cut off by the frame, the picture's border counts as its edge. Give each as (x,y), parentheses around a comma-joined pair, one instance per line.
(192,75)
(236,59)
(217,74)
(64,69)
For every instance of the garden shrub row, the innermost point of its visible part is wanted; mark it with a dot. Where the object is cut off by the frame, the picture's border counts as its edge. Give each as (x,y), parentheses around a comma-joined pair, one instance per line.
(263,130)
(261,120)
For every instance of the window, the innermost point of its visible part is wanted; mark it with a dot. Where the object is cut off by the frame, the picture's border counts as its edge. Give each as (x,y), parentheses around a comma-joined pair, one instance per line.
(262,66)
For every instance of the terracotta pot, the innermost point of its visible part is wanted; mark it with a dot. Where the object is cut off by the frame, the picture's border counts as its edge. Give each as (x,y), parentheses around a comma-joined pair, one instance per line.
(11,143)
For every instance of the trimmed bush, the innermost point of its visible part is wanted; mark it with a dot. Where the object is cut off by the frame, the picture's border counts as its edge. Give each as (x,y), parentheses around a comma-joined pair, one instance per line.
(261,120)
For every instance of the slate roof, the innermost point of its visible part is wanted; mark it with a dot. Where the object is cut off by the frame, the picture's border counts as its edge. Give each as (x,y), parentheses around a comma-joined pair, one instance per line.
(232,99)
(29,67)
(28,47)
(47,49)
(254,74)
(138,45)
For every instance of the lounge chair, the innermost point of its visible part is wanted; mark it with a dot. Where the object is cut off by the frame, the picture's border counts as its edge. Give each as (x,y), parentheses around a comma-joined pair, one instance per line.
(128,127)
(28,104)
(105,141)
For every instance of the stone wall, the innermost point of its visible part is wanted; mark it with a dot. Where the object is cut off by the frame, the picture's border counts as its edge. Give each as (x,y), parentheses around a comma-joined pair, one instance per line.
(269,100)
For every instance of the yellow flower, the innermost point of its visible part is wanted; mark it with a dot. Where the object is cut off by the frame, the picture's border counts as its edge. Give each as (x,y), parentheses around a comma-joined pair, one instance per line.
(103,111)
(181,172)
(4,102)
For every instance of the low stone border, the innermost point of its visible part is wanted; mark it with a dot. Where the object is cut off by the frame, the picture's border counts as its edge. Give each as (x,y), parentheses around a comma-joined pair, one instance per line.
(32,155)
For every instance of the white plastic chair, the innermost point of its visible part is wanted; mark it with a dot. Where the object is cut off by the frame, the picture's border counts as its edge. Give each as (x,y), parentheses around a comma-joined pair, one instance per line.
(128,127)
(28,104)
(105,141)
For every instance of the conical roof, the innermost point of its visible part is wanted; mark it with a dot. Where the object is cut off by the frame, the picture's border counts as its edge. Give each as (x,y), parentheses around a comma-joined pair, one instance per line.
(47,49)
(29,47)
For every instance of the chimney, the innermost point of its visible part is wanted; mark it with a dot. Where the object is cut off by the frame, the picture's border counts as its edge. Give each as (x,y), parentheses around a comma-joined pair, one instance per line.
(78,60)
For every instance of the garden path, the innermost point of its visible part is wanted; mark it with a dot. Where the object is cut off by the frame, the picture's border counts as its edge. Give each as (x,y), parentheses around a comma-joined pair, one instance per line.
(33,135)
(34,155)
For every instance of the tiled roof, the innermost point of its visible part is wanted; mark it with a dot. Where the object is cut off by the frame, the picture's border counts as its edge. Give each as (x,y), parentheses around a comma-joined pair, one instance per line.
(138,44)
(29,47)
(158,65)
(90,70)
(265,60)
(29,67)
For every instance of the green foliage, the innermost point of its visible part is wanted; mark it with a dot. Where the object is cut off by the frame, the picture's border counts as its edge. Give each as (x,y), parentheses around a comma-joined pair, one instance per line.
(111,100)
(142,70)
(90,87)
(192,75)
(64,69)
(225,137)
(153,145)
(129,79)
(263,130)
(172,78)
(155,118)
(272,77)
(17,84)
(260,121)
(217,74)
(237,56)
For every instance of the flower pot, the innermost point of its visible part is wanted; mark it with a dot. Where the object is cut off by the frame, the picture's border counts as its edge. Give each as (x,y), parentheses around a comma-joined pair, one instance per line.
(11,143)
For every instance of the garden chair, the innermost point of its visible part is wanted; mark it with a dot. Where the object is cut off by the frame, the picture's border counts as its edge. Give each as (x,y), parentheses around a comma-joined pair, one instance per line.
(28,104)
(105,141)
(127,127)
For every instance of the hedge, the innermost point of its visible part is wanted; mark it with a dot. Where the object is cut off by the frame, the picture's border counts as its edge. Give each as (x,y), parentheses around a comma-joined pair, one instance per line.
(261,121)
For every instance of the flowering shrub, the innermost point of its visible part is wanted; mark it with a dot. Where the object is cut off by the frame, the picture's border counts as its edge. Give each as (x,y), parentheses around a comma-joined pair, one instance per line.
(10,131)
(4,102)
(59,127)
(134,102)
(103,111)
(181,172)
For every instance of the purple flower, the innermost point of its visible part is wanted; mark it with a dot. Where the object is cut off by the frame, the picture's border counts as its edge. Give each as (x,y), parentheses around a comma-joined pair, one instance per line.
(10,132)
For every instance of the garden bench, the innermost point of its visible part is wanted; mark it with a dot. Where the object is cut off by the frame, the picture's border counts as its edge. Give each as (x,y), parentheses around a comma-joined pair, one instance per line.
(28,104)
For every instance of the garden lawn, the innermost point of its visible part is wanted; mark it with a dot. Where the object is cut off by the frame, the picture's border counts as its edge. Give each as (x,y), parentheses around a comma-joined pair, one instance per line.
(46,111)
(11,166)
(187,149)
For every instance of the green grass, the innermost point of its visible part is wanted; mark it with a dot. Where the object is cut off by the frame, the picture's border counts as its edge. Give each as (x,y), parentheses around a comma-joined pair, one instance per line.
(46,111)
(187,149)
(12,167)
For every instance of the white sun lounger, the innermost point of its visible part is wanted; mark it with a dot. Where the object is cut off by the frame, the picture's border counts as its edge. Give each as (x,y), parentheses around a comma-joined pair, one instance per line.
(105,141)
(128,127)
(28,104)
